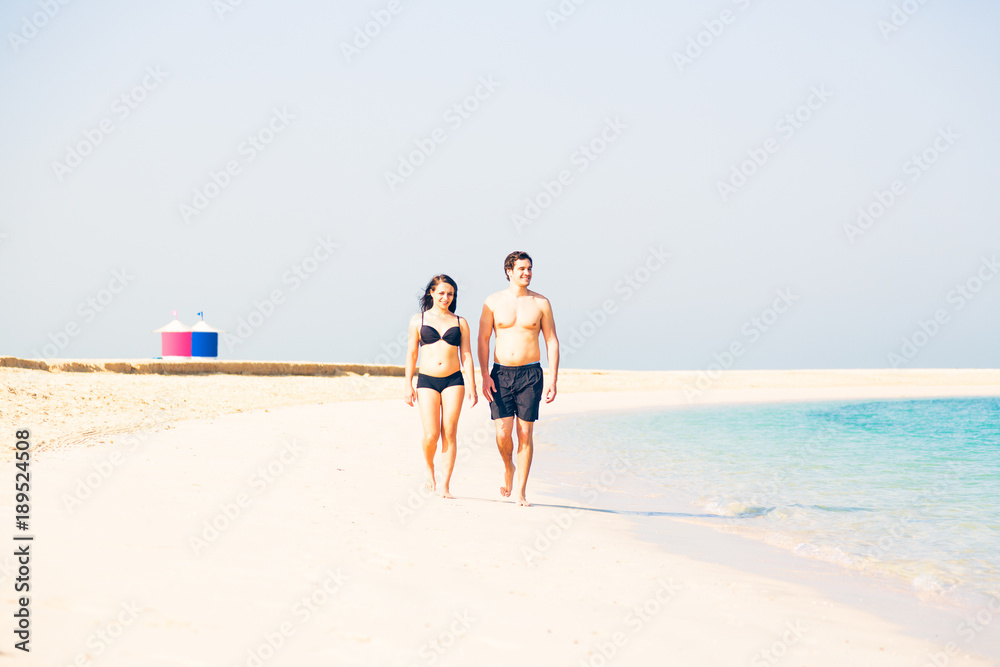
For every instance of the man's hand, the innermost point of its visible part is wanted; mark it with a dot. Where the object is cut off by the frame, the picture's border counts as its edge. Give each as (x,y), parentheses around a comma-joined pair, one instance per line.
(550,392)
(488,388)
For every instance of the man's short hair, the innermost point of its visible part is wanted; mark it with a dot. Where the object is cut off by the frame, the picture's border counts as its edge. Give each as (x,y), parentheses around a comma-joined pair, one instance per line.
(508,264)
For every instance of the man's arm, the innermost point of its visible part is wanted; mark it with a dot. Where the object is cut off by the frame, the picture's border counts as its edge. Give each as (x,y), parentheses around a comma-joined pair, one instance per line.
(483,349)
(551,348)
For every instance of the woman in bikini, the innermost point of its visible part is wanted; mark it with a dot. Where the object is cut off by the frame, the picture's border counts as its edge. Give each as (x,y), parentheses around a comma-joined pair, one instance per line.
(446,357)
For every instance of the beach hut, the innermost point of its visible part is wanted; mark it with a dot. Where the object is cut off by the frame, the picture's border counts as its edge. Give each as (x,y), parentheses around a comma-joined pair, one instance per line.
(175,339)
(204,339)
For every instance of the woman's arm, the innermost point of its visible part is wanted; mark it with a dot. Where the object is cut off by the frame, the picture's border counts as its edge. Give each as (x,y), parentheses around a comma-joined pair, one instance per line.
(468,366)
(412,346)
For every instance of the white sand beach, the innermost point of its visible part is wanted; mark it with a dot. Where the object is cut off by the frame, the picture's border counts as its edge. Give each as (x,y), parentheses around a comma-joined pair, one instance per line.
(246,520)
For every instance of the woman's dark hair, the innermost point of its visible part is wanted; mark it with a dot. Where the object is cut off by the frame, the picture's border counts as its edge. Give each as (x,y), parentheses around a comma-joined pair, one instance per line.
(427,301)
(508,264)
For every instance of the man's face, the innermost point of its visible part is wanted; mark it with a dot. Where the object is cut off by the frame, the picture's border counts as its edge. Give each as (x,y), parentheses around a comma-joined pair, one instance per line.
(521,273)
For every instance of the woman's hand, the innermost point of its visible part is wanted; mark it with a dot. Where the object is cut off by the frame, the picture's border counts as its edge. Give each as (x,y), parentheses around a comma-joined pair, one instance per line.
(410,396)
(472,397)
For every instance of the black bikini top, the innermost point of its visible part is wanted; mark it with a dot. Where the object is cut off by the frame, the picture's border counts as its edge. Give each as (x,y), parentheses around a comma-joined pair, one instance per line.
(429,334)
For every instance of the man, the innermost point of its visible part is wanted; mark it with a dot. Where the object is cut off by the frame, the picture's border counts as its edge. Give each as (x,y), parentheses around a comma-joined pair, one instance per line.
(515,386)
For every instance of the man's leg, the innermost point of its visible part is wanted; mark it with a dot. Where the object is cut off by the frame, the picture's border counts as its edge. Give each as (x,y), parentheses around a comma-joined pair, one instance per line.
(505,443)
(525,451)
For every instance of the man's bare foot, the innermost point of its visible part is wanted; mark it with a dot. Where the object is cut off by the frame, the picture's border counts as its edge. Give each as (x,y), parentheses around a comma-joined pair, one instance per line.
(522,502)
(508,482)
(445,493)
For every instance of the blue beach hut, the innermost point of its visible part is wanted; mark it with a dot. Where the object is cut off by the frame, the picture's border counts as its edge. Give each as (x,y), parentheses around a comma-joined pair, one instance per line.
(204,339)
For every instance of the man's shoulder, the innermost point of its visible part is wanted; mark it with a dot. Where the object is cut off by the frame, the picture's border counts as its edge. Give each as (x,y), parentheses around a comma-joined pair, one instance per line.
(493,298)
(496,297)
(537,296)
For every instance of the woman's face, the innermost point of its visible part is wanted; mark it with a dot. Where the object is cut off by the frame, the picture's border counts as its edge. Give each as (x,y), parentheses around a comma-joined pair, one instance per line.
(443,294)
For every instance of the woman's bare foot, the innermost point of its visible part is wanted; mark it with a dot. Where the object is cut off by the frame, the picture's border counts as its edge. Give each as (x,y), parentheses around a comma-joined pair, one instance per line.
(522,502)
(445,493)
(508,482)
(430,484)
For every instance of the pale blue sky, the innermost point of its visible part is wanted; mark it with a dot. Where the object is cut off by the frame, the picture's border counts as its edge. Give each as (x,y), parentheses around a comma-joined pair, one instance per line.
(340,126)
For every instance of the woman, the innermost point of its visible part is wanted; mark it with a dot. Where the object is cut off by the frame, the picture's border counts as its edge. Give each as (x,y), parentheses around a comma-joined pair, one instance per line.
(444,337)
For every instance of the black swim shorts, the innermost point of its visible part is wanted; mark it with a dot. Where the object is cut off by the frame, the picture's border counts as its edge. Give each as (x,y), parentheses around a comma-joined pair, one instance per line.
(518,391)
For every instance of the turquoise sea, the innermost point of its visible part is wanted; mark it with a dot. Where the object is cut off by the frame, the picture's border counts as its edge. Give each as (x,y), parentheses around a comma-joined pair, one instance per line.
(909,489)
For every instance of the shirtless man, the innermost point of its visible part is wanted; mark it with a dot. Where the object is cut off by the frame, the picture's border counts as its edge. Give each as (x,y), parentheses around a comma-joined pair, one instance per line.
(514,387)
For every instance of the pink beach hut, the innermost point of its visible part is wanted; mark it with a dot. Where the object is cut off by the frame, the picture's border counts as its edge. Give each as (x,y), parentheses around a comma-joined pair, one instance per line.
(175,339)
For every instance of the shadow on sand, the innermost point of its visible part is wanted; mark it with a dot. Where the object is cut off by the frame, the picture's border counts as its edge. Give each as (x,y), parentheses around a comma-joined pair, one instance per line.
(680,515)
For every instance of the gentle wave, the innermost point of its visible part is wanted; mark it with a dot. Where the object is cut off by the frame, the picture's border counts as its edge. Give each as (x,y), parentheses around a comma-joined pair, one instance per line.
(905,489)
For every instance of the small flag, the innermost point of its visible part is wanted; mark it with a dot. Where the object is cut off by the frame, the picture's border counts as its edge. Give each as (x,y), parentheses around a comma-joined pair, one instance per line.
(201,315)
(174,313)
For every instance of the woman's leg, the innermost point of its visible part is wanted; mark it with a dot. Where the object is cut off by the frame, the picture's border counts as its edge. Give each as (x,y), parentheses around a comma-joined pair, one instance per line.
(430,415)
(451,407)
